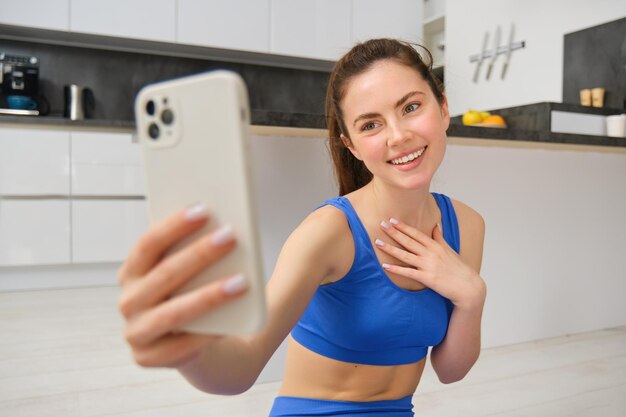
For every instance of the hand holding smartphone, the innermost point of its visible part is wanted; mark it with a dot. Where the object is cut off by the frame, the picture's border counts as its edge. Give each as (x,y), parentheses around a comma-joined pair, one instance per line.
(194,137)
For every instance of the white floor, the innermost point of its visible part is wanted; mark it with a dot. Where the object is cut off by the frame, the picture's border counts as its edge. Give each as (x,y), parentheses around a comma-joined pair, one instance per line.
(62,354)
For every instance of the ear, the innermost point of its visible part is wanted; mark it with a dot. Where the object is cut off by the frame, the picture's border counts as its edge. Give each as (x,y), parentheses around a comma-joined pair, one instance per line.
(348,143)
(445,113)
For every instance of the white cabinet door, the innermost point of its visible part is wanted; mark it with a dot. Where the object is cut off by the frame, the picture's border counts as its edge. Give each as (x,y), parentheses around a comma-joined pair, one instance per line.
(105,230)
(34,162)
(434,8)
(231,24)
(34,232)
(400,19)
(106,164)
(47,14)
(143,19)
(313,29)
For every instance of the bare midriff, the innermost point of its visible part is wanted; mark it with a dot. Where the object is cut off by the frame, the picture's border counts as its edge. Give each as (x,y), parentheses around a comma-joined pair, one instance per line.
(310,375)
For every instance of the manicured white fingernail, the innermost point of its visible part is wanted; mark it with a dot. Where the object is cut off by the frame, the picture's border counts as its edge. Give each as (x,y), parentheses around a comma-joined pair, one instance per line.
(196,212)
(222,235)
(386,266)
(379,243)
(235,284)
(384,225)
(393,221)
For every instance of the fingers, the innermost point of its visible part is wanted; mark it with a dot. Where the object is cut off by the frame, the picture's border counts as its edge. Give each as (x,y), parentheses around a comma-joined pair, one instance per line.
(408,272)
(407,236)
(175,270)
(172,351)
(159,238)
(398,253)
(170,315)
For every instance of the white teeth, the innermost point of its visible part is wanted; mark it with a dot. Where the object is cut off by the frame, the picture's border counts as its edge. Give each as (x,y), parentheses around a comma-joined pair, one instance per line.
(409,157)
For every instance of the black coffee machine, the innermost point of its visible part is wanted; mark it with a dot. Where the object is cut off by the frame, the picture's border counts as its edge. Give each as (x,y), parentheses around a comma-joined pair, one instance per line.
(19,85)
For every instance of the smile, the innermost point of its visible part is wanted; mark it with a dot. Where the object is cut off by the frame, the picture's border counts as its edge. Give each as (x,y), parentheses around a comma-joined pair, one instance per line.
(409,157)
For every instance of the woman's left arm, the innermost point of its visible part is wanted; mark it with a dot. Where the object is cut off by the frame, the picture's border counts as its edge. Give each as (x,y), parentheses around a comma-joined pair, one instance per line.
(456,354)
(432,262)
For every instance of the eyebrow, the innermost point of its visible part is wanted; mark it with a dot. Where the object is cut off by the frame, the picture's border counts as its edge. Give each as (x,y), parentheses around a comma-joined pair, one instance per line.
(398,104)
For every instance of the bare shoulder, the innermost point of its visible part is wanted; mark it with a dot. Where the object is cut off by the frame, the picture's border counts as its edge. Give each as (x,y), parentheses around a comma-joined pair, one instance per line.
(321,241)
(329,219)
(472,233)
(323,226)
(468,218)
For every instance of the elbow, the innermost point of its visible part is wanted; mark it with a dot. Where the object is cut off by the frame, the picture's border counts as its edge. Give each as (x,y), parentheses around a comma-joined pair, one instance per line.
(221,389)
(450,375)
(450,379)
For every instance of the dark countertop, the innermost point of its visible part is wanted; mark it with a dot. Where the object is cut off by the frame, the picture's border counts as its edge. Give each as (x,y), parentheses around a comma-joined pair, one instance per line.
(316,121)
(259,118)
(532,123)
(533,136)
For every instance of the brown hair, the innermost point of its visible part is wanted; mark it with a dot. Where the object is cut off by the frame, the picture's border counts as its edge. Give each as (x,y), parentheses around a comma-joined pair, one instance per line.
(350,173)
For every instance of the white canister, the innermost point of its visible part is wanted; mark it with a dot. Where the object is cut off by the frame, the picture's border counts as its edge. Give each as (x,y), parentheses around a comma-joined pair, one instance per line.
(616,126)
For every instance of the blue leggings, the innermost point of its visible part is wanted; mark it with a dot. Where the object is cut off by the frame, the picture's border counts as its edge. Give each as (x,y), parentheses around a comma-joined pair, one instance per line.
(297,407)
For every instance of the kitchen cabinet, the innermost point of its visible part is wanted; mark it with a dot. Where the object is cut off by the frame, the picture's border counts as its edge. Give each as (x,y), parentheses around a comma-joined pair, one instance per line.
(400,19)
(68,196)
(434,28)
(34,162)
(236,24)
(320,29)
(434,9)
(45,14)
(105,164)
(105,230)
(34,232)
(315,29)
(143,19)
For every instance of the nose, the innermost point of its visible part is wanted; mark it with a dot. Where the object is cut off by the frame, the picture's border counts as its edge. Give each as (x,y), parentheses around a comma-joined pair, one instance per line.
(396,133)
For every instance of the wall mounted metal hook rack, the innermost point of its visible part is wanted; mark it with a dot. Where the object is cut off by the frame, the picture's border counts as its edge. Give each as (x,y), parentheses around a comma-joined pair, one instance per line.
(495,51)
(501,50)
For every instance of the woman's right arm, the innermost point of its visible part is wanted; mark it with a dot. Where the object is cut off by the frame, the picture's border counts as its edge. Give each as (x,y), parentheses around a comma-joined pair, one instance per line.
(217,364)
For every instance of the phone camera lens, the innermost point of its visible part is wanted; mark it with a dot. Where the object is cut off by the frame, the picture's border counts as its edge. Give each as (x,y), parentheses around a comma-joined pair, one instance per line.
(153,131)
(167,116)
(150,107)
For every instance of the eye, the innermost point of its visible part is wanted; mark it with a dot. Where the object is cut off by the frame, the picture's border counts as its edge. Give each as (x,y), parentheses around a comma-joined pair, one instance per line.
(368,126)
(411,107)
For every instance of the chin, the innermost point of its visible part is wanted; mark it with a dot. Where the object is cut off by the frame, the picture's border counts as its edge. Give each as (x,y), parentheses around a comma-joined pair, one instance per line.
(411,184)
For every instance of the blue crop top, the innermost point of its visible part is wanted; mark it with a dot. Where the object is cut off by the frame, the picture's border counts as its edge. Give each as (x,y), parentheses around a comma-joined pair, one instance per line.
(364,317)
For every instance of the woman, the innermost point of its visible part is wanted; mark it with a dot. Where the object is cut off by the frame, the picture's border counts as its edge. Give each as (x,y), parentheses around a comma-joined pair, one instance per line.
(367,282)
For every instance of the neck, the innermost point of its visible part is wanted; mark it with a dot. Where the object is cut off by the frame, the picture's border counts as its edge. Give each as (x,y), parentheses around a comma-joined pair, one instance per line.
(413,207)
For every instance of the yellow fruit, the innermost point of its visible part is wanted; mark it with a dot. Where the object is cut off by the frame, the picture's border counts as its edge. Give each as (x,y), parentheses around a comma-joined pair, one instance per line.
(494,120)
(471,117)
(484,114)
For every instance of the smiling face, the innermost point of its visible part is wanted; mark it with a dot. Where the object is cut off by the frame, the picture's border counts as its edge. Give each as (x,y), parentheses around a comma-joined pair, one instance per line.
(395,124)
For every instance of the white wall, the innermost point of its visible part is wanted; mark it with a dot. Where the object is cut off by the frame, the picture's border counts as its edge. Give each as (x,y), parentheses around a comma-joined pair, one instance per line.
(535,73)
(555,237)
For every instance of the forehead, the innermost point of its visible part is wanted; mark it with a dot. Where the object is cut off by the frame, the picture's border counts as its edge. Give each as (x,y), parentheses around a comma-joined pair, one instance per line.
(381,85)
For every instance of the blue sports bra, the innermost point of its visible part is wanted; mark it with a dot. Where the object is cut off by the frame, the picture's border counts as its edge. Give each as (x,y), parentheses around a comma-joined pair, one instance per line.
(364,317)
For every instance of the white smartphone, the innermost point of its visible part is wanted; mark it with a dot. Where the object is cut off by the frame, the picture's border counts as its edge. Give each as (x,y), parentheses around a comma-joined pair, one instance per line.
(194,137)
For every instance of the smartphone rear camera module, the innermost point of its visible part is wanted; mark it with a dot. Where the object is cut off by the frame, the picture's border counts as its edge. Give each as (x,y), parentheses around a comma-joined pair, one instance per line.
(167,116)
(153,131)
(150,107)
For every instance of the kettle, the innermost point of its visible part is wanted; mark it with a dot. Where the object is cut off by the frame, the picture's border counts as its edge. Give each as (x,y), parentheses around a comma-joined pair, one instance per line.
(79,102)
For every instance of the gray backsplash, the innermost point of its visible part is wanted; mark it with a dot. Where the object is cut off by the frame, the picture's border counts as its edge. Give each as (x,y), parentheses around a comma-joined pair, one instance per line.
(596,57)
(115,78)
